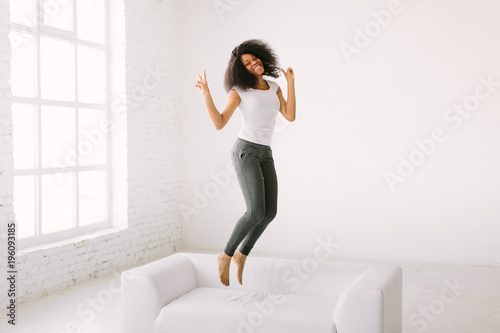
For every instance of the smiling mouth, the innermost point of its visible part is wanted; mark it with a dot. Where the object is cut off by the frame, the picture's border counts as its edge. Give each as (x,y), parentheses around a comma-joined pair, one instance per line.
(256,68)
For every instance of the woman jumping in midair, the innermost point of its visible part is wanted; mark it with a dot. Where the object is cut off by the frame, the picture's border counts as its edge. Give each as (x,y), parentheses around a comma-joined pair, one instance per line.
(259,102)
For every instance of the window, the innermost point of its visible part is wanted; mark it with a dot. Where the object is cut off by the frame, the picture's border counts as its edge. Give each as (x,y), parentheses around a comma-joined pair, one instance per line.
(60,88)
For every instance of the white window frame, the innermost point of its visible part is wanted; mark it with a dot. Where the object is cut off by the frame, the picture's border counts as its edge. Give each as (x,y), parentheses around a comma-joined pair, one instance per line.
(40,30)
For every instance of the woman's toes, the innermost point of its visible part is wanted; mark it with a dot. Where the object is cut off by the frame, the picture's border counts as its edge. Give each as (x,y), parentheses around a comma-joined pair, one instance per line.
(239,258)
(223,268)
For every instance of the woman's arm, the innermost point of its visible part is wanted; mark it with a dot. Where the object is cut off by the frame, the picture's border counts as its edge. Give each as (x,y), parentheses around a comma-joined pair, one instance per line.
(219,119)
(287,107)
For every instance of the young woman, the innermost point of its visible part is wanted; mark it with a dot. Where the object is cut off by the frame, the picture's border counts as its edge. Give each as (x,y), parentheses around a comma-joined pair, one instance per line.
(259,102)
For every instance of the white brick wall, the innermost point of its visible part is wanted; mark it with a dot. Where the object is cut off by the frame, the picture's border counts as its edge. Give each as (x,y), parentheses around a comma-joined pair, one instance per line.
(6,161)
(147,181)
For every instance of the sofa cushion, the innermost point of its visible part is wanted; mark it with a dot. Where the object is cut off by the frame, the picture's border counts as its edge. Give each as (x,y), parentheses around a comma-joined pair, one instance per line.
(228,310)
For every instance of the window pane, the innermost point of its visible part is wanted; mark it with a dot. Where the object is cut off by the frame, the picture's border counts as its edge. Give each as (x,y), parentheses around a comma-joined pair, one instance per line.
(58,14)
(93,197)
(58,137)
(57,69)
(90,20)
(23,136)
(91,75)
(92,129)
(23,12)
(22,62)
(57,202)
(24,205)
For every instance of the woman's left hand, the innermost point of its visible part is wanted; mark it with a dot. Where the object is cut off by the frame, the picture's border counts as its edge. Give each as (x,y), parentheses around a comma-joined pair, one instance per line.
(289,75)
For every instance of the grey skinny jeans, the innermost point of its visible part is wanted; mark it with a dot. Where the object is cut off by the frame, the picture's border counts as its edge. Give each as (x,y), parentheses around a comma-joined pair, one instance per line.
(256,174)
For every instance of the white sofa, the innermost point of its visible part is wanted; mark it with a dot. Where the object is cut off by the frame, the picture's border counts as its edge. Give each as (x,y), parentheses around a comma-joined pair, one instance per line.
(182,294)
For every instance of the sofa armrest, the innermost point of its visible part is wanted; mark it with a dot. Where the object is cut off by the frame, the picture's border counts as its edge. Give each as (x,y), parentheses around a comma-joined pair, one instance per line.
(372,304)
(147,289)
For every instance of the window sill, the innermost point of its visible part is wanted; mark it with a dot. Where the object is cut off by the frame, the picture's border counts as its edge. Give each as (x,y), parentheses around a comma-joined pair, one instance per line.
(78,241)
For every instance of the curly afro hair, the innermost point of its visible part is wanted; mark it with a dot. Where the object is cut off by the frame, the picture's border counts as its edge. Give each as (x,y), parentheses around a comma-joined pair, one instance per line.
(236,73)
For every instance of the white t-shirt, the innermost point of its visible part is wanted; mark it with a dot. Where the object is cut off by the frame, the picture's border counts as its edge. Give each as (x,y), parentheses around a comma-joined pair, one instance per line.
(259,109)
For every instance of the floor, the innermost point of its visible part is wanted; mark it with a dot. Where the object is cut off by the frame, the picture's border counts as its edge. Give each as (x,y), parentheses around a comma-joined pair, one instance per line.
(436,299)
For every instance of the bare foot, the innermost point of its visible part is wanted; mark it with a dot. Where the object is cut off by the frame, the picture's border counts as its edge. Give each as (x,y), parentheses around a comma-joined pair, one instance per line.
(239,259)
(223,262)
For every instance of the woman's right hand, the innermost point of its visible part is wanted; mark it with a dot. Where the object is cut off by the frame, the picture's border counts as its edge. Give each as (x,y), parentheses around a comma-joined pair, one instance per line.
(202,84)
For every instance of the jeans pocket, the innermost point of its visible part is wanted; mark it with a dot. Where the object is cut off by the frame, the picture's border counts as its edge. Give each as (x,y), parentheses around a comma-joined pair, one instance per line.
(244,152)
(238,152)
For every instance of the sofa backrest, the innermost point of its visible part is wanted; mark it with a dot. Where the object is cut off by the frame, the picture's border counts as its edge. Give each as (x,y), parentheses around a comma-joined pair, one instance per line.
(256,277)
(307,276)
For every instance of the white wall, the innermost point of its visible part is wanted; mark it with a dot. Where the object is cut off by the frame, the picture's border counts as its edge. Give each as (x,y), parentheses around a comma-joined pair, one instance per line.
(6,157)
(148,159)
(356,117)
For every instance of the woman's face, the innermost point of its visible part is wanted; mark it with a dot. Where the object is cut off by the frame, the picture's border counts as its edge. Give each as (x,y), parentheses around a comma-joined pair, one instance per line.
(252,64)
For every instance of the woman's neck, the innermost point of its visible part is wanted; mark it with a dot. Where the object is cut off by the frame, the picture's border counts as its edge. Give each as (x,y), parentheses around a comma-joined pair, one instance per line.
(261,84)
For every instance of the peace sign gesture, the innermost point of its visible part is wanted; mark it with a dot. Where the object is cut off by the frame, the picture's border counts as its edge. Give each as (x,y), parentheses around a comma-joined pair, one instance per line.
(289,75)
(202,84)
